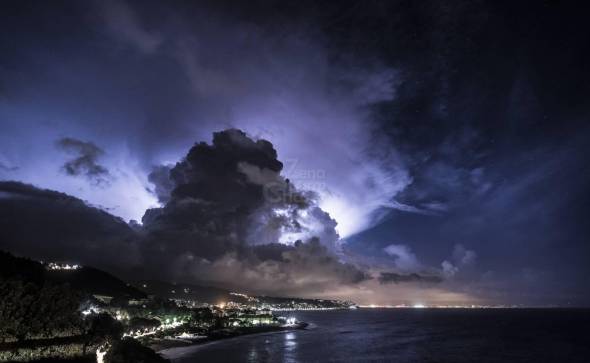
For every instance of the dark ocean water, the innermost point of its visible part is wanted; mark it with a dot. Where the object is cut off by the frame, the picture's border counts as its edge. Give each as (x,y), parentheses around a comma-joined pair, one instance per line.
(414,335)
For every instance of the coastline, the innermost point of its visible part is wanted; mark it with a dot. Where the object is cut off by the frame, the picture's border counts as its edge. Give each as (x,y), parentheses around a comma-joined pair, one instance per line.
(172,347)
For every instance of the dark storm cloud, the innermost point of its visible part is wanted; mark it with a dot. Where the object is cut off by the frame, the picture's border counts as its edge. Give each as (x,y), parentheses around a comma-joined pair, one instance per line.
(391,277)
(85,160)
(231,215)
(211,199)
(49,225)
(203,233)
(257,75)
(150,78)
(159,177)
(468,117)
(304,268)
(210,186)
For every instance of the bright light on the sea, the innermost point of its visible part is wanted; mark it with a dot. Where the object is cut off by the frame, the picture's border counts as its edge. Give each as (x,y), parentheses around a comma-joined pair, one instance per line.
(418,306)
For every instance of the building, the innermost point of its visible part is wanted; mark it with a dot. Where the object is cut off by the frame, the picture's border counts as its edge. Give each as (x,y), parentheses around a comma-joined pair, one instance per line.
(257,319)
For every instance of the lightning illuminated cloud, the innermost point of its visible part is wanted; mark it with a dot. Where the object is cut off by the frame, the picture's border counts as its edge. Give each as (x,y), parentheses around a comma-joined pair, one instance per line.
(283,88)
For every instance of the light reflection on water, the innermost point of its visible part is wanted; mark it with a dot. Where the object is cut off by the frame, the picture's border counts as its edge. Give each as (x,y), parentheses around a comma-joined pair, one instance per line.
(290,347)
(290,340)
(253,354)
(438,335)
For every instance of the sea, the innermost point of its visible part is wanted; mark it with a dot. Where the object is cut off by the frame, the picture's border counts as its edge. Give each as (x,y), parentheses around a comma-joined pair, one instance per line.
(411,335)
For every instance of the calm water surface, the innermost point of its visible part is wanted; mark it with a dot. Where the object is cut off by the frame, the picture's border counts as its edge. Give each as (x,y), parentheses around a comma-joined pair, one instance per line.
(413,335)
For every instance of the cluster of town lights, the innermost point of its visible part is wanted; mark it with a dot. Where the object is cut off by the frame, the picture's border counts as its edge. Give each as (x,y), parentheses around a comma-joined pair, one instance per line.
(62,266)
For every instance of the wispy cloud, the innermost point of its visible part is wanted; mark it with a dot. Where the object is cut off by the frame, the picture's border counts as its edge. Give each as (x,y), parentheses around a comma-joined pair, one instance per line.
(85,160)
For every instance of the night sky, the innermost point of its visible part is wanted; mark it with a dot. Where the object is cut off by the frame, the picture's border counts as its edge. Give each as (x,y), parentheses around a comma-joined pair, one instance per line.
(387,152)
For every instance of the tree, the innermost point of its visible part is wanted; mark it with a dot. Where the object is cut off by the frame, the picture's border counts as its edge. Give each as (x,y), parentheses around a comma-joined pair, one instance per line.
(130,350)
(138,323)
(102,329)
(30,311)
(203,317)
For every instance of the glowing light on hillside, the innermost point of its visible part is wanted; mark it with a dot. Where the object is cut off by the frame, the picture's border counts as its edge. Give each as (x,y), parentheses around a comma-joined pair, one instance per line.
(100,353)
(62,266)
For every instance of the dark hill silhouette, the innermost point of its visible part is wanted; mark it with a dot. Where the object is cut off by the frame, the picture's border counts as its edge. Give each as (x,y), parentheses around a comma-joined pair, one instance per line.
(88,280)
(94,281)
(208,294)
(19,268)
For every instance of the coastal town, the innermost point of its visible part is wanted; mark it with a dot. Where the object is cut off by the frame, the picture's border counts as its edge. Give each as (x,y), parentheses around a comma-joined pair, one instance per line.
(87,315)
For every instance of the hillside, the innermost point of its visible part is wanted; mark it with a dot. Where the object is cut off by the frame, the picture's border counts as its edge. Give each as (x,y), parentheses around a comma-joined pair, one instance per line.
(85,279)
(207,294)
(94,281)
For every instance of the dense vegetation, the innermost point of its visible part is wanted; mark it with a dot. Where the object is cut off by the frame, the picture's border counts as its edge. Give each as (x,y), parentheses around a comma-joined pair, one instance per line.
(29,311)
(33,308)
(130,350)
(91,280)
(40,315)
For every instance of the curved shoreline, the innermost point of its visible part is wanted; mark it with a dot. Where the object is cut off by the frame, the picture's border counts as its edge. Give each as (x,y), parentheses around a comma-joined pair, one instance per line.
(174,349)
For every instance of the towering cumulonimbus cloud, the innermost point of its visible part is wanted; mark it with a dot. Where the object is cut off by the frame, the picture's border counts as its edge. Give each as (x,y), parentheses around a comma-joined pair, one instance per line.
(281,82)
(148,86)
(235,185)
(230,213)
(229,218)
